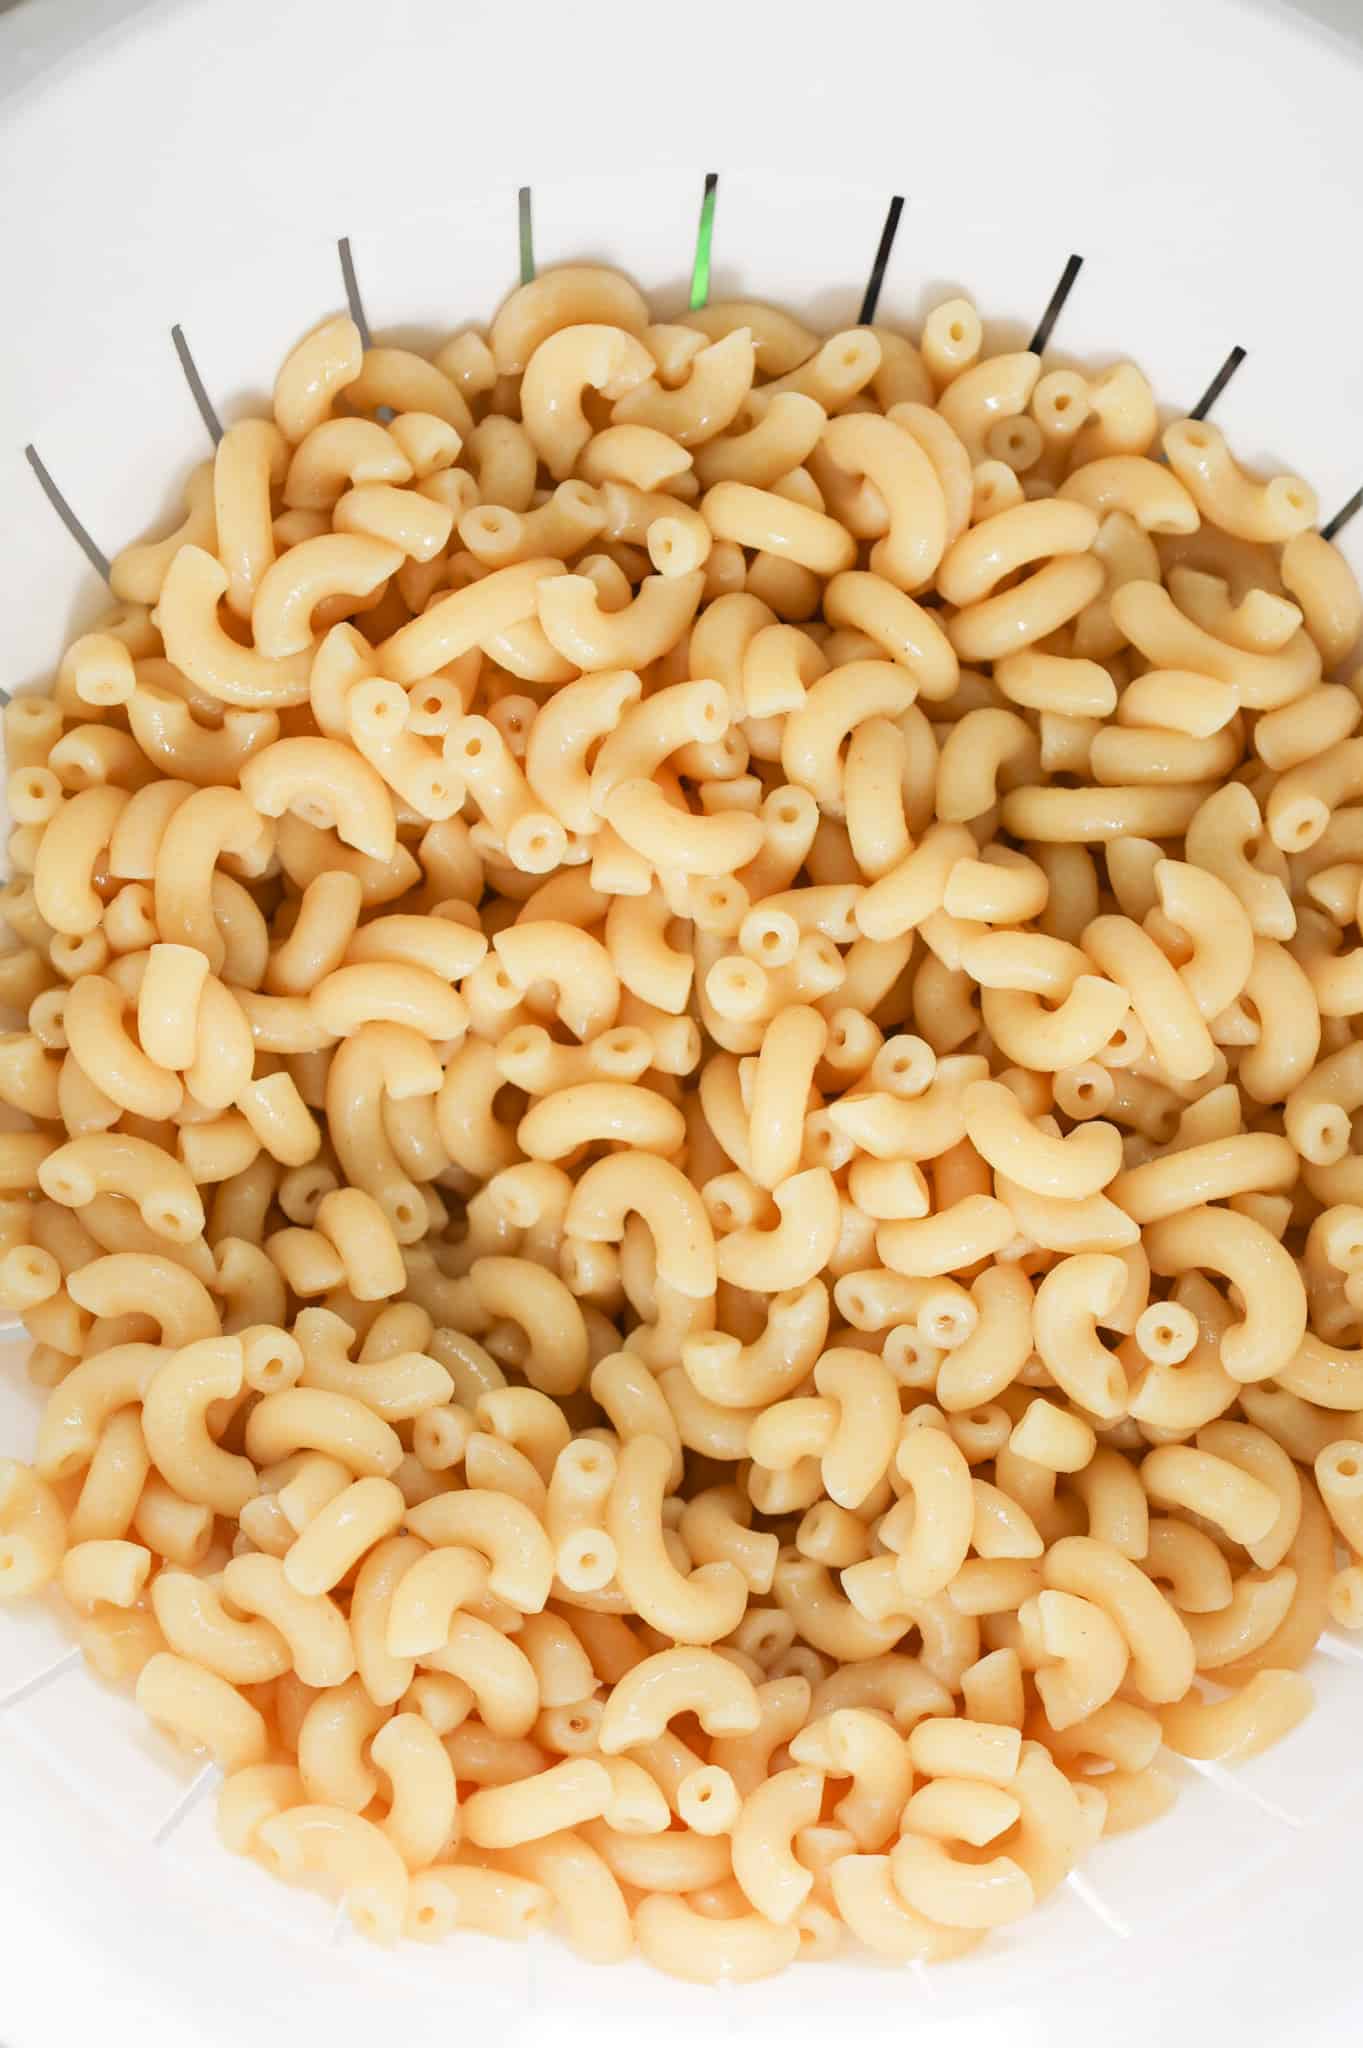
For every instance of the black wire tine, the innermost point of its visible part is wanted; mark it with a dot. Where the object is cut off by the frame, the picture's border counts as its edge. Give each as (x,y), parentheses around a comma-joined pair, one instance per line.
(1343,516)
(871,298)
(1055,305)
(93,554)
(198,390)
(352,291)
(1218,384)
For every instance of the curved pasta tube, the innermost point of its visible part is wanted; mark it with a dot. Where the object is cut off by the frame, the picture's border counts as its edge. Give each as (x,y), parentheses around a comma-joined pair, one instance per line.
(1273,1327)
(1161,1000)
(524,1292)
(499,1528)
(878,1915)
(379,1061)
(1273,511)
(426,1598)
(829,1623)
(576,965)
(718,380)
(174,1423)
(1162,1655)
(327,784)
(967,1895)
(202,1709)
(1073,1167)
(499,1674)
(1086,1655)
(204,828)
(565,363)
(863,1441)
(343,566)
(891,460)
(1145,491)
(901,628)
(1242,1724)
(797,1248)
(1257,1608)
(314,373)
(830,710)
(657,1191)
(137,573)
(348,1850)
(196,1624)
(251,460)
(109,1056)
(684,1943)
(199,646)
(583,632)
(569,295)
(994,390)
(979,561)
(562,735)
(772,1365)
(678,1681)
(144,1283)
(68,851)
(1152,622)
(765,1863)
(1070,1301)
(1219,832)
(339,452)
(699,1609)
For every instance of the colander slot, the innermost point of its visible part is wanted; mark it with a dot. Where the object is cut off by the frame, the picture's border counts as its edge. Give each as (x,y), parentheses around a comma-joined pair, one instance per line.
(27,1687)
(206,1781)
(1236,1788)
(198,391)
(1098,1906)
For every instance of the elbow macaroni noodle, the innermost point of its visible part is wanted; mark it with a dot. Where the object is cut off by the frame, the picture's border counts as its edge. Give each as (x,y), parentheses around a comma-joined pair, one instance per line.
(619,1140)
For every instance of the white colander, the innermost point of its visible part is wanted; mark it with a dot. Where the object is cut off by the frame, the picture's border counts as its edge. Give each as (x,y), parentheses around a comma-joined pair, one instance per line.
(193,168)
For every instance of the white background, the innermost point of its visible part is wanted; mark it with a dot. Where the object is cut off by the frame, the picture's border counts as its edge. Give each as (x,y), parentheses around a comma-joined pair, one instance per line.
(172,1979)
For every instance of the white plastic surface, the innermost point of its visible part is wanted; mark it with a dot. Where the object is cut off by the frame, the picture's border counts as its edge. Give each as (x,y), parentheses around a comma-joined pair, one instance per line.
(196,164)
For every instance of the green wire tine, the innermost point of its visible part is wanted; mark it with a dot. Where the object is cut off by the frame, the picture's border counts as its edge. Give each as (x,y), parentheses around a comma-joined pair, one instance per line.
(700,270)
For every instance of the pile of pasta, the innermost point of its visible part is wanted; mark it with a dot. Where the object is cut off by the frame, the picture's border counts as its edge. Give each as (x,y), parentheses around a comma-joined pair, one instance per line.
(690,1022)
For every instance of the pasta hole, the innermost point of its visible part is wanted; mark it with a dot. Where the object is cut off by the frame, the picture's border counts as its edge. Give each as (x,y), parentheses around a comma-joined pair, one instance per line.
(473,747)
(588,1560)
(426,1916)
(1062,403)
(1347,1468)
(956,331)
